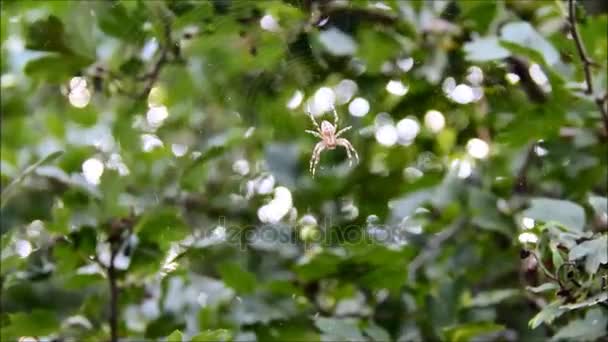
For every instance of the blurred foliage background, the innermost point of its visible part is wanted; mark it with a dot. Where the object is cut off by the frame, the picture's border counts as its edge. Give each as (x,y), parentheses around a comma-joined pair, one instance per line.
(155,182)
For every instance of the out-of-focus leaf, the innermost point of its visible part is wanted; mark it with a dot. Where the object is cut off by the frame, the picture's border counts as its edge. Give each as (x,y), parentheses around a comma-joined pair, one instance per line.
(47,35)
(175,336)
(522,33)
(55,68)
(238,278)
(598,298)
(547,314)
(469,331)
(337,42)
(335,329)
(35,323)
(566,213)
(599,204)
(9,190)
(591,328)
(217,335)
(485,49)
(163,227)
(490,297)
(594,251)
(376,332)
(543,288)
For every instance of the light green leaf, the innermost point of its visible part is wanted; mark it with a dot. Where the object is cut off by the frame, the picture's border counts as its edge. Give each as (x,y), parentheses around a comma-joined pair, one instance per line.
(589,329)
(216,335)
(485,49)
(594,251)
(566,213)
(547,314)
(522,33)
(9,190)
(241,280)
(466,332)
(376,333)
(543,288)
(345,329)
(175,336)
(488,298)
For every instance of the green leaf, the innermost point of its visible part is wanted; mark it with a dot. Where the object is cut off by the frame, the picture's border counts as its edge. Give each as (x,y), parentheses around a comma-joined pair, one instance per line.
(591,328)
(162,226)
(241,280)
(485,49)
(523,34)
(466,332)
(175,336)
(543,288)
(594,251)
(55,68)
(345,329)
(493,297)
(216,335)
(9,190)
(35,323)
(47,35)
(376,332)
(547,314)
(114,20)
(568,214)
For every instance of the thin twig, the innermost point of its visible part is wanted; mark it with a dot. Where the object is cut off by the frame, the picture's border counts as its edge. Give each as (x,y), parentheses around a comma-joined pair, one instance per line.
(432,248)
(153,75)
(587,62)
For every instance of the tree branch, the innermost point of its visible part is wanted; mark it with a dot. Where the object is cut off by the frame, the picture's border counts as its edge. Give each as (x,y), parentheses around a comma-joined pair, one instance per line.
(153,75)
(587,63)
(113,295)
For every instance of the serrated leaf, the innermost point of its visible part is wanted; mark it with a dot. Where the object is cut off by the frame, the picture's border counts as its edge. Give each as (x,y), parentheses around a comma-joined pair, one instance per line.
(176,336)
(594,251)
(162,226)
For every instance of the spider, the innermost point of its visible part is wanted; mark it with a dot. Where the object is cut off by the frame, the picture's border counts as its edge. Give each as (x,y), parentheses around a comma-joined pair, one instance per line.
(329,140)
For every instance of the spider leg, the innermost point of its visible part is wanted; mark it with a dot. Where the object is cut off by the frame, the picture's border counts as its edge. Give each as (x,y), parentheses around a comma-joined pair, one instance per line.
(316,154)
(314,122)
(335,116)
(349,148)
(343,130)
(316,134)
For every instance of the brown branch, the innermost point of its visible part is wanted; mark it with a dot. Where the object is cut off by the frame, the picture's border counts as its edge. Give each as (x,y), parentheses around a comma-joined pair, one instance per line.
(153,75)
(113,319)
(587,63)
